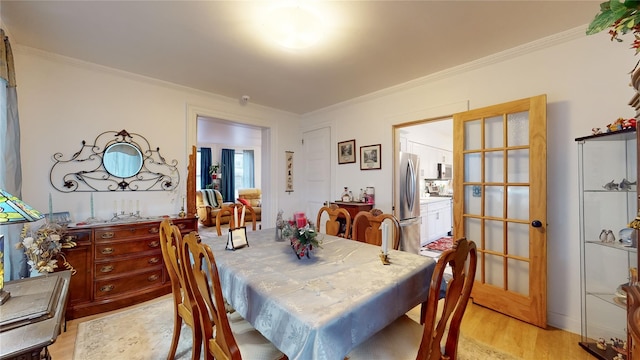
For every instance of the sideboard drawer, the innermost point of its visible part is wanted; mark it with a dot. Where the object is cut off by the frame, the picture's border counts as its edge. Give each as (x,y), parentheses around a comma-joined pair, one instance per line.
(129,283)
(118,266)
(107,250)
(78,236)
(119,233)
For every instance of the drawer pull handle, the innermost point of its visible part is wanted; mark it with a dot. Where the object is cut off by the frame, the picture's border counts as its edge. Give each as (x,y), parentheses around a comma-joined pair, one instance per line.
(153,277)
(70,238)
(181,226)
(107,288)
(107,251)
(154,230)
(106,269)
(154,260)
(154,244)
(107,235)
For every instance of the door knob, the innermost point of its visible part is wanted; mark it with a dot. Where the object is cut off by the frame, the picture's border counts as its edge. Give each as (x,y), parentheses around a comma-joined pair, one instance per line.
(536,223)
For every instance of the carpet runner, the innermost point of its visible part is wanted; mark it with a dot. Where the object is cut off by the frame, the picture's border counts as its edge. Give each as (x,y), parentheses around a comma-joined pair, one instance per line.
(442,244)
(144,333)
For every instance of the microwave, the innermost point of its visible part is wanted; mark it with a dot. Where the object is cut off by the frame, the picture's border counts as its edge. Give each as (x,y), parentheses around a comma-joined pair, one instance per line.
(444,171)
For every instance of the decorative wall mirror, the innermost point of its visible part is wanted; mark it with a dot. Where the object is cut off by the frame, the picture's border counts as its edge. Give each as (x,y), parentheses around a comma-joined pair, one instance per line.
(115,161)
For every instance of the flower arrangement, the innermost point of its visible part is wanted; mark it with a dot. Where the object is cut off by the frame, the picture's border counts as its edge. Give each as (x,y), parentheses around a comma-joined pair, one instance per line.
(620,17)
(44,247)
(302,233)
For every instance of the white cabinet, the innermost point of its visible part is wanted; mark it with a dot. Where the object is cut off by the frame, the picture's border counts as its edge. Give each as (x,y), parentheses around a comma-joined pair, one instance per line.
(605,160)
(424,227)
(436,219)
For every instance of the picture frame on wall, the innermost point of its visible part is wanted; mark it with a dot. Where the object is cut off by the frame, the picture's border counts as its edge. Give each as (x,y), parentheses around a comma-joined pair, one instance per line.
(347,152)
(370,157)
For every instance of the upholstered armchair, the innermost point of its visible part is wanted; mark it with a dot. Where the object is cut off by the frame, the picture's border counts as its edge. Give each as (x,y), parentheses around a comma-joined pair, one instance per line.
(208,203)
(251,197)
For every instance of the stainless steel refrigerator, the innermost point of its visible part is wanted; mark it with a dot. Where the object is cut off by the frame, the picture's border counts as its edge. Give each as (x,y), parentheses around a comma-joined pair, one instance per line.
(408,202)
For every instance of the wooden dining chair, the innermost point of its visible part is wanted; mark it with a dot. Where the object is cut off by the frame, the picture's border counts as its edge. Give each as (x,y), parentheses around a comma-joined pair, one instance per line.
(407,339)
(184,307)
(225,336)
(249,214)
(366,227)
(332,226)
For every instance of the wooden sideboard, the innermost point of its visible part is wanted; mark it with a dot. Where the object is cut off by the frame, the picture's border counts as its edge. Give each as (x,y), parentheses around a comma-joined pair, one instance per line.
(117,265)
(353,208)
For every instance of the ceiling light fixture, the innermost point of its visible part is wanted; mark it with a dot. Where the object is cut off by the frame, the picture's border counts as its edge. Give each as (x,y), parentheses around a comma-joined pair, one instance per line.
(294,24)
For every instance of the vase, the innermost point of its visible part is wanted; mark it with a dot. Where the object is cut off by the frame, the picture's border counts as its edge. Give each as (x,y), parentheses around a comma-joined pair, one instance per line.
(34,273)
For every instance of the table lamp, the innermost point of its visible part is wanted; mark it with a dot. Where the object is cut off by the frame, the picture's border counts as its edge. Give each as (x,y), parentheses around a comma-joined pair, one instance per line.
(12,211)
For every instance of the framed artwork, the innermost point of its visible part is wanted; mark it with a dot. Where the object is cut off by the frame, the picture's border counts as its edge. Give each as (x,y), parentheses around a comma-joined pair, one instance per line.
(347,152)
(370,157)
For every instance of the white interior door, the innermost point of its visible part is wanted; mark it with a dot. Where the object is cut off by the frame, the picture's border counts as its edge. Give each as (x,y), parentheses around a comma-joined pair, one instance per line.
(317,169)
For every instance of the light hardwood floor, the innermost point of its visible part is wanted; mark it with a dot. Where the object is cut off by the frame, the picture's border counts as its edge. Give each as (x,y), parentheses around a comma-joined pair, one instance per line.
(497,330)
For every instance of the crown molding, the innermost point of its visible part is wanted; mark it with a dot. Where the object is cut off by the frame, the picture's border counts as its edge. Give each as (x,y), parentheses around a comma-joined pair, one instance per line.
(533,46)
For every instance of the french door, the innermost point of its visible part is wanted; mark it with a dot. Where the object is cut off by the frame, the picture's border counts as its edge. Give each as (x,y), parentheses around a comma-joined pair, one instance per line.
(500,188)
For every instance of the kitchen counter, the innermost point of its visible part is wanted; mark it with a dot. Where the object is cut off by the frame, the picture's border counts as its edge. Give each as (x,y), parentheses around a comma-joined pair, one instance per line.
(434,199)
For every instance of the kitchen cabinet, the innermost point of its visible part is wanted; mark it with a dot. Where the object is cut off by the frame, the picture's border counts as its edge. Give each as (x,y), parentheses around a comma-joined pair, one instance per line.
(605,161)
(430,157)
(436,219)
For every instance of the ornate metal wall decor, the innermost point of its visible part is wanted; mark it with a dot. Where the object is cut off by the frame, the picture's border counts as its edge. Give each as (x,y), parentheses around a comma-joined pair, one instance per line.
(115,161)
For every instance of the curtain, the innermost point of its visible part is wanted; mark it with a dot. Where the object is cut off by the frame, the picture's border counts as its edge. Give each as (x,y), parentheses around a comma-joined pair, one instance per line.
(205,164)
(10,167)
(228,175)
(248,172)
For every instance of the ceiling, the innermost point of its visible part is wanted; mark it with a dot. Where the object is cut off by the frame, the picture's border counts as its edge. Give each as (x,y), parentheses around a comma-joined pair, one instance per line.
(220,47)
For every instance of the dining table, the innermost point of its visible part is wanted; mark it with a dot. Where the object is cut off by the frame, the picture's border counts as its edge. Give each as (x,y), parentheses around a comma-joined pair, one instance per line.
(321,306)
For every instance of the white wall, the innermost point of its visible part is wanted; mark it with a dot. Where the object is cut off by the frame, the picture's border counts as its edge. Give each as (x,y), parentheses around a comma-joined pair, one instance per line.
(63,101)
(587,85)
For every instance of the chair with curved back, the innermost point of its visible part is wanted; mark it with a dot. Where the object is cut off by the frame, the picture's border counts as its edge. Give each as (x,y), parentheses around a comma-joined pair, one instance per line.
(184,308)
(225,336)
(396,340)
(229,209)
(366,227)
(333,226)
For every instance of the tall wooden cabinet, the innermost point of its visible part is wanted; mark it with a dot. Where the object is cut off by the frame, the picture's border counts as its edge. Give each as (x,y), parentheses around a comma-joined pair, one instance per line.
(608,202)
(117,265)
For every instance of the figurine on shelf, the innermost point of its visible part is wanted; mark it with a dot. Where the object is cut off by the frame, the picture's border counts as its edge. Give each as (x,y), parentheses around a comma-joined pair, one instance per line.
(610,237)
(626,184)
(612,185)
(601,344)
(596,131)
(603,235)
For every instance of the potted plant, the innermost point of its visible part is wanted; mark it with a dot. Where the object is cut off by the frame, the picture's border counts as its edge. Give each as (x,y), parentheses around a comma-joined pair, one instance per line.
(213,170)
(620,17)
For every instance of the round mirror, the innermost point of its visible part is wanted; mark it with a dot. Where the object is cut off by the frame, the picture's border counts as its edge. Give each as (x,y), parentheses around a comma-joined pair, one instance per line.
(122,160)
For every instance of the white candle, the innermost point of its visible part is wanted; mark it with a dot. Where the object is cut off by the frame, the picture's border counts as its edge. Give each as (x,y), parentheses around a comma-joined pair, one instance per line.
(130,206)
(137,206)
(242,217)
(115,206)
(385,238)
(50,208)
(122,206)
(92,205)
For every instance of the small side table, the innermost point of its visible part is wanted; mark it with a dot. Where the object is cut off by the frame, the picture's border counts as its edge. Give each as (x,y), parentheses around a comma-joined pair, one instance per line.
(34,320)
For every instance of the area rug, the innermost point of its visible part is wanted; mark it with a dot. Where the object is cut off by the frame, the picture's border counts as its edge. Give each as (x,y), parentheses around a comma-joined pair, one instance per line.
(442,244)
(144,333)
